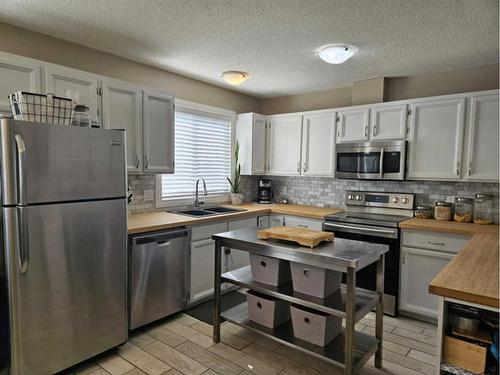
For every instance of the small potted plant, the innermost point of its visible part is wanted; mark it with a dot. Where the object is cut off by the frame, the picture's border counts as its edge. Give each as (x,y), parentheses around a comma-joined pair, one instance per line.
(236,196)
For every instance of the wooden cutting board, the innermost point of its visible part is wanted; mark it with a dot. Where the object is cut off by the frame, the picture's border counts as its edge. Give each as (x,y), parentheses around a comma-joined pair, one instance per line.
(304,237)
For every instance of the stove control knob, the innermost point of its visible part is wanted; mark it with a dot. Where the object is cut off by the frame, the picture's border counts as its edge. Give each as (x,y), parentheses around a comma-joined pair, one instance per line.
(359,197)
(350,197)
(404,200)
(395,200)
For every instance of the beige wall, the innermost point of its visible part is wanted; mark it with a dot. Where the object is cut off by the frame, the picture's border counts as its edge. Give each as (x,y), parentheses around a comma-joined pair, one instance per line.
(308,102)
(396,88)
(39,46)
(474,79)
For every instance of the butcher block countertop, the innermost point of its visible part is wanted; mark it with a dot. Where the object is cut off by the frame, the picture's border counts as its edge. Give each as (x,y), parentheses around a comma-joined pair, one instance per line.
(153,221)
(472,275)
(448,226)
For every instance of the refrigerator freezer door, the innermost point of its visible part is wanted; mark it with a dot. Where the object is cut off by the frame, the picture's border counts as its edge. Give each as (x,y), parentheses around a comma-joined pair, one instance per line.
(60,163)
(71,303)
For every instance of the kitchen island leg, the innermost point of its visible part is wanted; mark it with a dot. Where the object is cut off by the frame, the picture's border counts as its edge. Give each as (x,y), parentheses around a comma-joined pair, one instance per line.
(349,321)
(379,320)
(217,290)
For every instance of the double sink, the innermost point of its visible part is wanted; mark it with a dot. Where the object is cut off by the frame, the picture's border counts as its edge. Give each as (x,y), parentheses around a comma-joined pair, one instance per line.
(218,210)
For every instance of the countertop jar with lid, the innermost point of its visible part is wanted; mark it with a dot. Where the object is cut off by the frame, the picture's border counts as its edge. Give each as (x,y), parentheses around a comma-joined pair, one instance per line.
(463,209)
(483,208)
(442,211)
(424,211)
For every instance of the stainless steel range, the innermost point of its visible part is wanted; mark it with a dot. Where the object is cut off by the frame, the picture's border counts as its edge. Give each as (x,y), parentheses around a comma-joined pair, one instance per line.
(374,217)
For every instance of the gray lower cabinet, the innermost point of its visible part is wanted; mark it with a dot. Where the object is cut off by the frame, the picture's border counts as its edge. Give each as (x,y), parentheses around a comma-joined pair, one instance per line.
(203,252)
(202,269)
(419,267)
(423,255)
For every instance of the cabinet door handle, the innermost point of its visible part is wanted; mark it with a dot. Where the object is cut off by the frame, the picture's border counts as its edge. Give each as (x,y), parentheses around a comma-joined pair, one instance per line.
(366,131)
(298,167)
(374,130)
(470,168)
(146,162)
(137,161)
(436,243)
(303,226)
(458,168)
(305,167)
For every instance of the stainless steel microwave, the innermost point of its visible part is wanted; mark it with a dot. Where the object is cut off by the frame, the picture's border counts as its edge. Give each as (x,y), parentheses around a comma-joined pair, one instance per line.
(371,160)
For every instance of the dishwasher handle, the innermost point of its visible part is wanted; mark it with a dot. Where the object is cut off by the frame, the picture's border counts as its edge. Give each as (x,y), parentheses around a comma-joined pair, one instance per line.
(162,238)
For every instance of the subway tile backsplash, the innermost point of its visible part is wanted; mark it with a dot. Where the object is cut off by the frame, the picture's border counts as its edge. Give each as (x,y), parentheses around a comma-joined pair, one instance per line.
(329,192)
(324,191)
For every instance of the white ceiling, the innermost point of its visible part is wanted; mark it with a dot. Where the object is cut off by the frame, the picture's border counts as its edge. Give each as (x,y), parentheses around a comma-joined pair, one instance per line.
(275,40)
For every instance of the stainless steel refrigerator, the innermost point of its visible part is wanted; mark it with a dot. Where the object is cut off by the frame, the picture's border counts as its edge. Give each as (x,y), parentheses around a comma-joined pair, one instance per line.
(63,255)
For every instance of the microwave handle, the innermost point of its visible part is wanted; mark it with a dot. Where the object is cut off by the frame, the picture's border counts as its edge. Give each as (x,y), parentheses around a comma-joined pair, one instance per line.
(381,163)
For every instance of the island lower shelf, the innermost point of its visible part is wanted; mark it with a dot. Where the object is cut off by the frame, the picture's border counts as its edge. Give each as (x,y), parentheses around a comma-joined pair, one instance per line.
(364,345)
(335,304)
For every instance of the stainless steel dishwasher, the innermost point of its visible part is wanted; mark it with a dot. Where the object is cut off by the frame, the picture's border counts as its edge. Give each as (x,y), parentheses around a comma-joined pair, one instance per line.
(159,275)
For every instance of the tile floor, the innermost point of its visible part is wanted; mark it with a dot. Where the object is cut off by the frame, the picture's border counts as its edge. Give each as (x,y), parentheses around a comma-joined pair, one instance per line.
(183,345)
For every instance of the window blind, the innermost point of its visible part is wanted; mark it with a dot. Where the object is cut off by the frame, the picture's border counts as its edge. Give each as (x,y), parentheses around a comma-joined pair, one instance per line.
(202,149)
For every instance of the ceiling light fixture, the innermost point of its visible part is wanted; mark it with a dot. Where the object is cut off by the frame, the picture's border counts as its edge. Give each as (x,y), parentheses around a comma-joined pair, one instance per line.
(234,77)
(336,54)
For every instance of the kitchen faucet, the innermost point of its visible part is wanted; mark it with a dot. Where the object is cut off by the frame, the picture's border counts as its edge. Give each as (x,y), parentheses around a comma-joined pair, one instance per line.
(197,201)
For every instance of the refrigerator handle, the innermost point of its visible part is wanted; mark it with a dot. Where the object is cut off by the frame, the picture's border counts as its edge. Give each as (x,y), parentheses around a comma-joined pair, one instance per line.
(22,210)
(21,169)
(23,239)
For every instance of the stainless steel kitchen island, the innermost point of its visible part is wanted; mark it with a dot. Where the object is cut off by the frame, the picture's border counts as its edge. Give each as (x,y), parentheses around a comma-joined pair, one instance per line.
(349,349)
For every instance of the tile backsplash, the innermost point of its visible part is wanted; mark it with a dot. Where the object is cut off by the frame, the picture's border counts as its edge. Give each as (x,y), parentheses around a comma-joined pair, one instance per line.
(329,192)
(140,183)
(323,191)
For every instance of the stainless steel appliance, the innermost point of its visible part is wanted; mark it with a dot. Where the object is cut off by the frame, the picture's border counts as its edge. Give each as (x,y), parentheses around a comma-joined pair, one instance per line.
(371,160)
(63,244)
(374,217)
(159,275)
(265,192)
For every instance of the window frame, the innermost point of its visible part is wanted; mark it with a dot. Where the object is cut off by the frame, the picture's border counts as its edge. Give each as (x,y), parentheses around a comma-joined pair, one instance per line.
(211,199)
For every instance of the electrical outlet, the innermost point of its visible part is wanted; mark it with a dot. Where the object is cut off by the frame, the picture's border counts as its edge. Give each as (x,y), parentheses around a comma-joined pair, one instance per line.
(149,195)
(450,199)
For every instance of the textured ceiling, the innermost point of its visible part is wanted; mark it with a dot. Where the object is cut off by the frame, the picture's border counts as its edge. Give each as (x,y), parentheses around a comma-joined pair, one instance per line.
(275,40)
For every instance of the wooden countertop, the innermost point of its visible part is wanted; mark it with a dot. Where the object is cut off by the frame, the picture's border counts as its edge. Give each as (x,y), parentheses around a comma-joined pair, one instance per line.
(159,220)
(472,275)
(448,226)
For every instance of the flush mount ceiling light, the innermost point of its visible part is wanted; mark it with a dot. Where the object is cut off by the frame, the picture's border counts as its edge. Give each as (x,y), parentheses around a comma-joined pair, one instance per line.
(336,54)
(234,77)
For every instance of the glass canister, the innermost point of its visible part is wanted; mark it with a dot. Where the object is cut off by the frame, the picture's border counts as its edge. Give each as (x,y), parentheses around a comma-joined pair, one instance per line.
(81,116)
(463,210)
(483,208)
(424,211)
(442,211)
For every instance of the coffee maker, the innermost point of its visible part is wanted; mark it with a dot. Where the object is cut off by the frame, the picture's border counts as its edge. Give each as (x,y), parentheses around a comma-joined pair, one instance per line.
(265,193)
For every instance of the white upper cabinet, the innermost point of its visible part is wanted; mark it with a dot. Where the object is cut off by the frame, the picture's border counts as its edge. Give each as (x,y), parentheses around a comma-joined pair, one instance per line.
(122,109)
(75,84)
(437,128)
(353,125)
(388,122)
(17,74)
(318,144)
(158,132)
(483,134)
(285,136)
(250,132)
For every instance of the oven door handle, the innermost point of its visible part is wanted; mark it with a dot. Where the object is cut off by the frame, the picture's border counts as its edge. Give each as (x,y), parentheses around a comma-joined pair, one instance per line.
(381,163)
(392,232)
